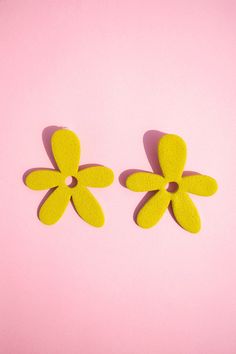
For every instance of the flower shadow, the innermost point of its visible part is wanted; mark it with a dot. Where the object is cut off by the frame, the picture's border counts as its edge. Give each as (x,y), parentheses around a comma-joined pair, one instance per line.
(46,138)
(150,142)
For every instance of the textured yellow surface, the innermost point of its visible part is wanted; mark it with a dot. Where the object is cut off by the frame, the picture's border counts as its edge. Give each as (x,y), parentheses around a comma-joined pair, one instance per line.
(172,154)
(66,152)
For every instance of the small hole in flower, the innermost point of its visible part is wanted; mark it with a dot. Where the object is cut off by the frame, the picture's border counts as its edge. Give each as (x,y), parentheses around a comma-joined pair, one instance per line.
(71,181)
(172,187)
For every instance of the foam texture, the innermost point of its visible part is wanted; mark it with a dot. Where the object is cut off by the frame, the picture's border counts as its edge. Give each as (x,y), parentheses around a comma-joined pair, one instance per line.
(172,153)
(66,152)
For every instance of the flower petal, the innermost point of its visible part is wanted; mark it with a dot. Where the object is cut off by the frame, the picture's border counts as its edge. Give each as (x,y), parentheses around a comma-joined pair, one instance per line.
(88,207)
(96,176)
(55,205)
(172,153)
(199,184)
(144,181)
(43,179)
(66,151)
(185,212)
(153,210)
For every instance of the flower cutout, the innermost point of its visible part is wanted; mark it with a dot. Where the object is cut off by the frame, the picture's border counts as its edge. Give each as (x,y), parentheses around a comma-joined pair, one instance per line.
(172,187)
(66,152)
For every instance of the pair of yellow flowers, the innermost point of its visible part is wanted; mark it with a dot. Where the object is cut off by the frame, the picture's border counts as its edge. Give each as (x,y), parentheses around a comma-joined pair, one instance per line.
(172,156)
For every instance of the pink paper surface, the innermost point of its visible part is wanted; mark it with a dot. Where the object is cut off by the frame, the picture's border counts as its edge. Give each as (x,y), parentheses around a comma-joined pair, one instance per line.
(112,71)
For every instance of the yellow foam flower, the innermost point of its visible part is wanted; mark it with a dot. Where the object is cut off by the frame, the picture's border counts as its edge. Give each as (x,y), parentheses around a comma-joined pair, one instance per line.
(172,154)
(66,152)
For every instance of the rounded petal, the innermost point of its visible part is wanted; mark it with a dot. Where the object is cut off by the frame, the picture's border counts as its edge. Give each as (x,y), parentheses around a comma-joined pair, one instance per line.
(172,154)
(153,210)
(144,181)
(96,176)
(88,207)
(185,212)
(66,151)
(43,179)
(199,184)
(55,205)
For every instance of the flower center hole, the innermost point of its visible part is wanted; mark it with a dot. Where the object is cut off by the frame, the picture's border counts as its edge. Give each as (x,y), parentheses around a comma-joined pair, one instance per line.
(71,181)
(172,187)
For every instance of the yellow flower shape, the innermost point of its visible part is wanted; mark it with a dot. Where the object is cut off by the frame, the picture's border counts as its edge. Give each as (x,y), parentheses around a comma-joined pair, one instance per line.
(172,154)
(66,152)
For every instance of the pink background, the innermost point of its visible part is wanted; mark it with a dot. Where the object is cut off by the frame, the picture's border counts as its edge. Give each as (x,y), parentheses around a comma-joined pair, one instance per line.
(111,71)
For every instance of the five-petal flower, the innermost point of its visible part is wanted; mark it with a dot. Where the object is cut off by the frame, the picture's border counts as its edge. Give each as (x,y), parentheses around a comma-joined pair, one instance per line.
(66,152)
(172,157)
